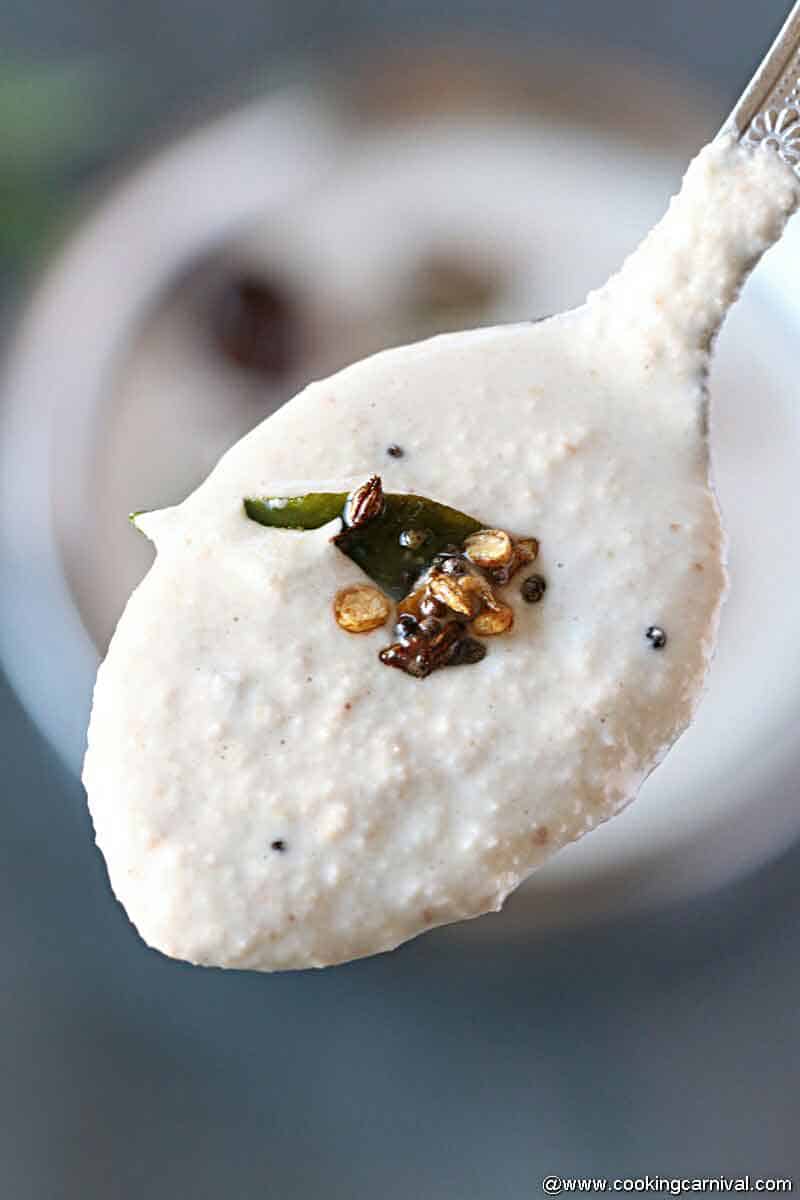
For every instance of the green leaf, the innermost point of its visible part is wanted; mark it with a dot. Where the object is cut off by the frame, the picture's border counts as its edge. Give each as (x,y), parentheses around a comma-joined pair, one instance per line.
(378,549)
(381,547)
(51,115)
(296,512)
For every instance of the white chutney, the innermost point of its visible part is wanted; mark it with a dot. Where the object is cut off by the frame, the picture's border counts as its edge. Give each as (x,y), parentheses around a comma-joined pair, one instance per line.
(266,793)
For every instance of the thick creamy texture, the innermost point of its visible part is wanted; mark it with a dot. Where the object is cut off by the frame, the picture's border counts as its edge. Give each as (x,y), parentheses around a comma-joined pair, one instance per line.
(231,713)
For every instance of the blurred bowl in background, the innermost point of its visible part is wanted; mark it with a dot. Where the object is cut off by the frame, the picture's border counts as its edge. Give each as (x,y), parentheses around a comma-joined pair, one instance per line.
(290,235)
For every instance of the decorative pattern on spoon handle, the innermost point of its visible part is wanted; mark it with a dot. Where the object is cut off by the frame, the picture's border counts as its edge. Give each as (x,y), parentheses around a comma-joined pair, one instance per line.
(768,114)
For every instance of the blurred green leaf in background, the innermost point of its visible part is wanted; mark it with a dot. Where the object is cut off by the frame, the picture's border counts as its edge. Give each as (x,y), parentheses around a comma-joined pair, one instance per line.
(58,123)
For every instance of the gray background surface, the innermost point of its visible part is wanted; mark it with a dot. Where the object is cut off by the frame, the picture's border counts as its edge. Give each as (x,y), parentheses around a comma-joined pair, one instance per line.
(667,1045)
(180,48)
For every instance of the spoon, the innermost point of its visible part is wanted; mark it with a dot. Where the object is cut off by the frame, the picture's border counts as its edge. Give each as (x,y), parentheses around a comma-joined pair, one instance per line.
(267,794)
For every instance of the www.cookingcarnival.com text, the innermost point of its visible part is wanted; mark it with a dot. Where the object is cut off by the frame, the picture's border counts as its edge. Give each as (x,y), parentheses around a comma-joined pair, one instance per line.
(673,1185)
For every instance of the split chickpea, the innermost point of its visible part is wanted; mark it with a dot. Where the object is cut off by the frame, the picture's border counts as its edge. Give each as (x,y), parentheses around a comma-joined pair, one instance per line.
(361,608)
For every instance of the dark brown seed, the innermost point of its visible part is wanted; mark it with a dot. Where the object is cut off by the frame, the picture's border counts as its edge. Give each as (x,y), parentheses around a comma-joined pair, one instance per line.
(425,653)
(406,626)
(656,635)
(395,451)
(403,657)
(452,565)
(256,325)
(500,576)
(533,588)
(364,503)
(442,643)
(279,844)
(467,651)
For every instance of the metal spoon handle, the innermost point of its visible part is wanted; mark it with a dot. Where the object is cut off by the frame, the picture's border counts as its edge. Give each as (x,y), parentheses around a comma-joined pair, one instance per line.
(768,113)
